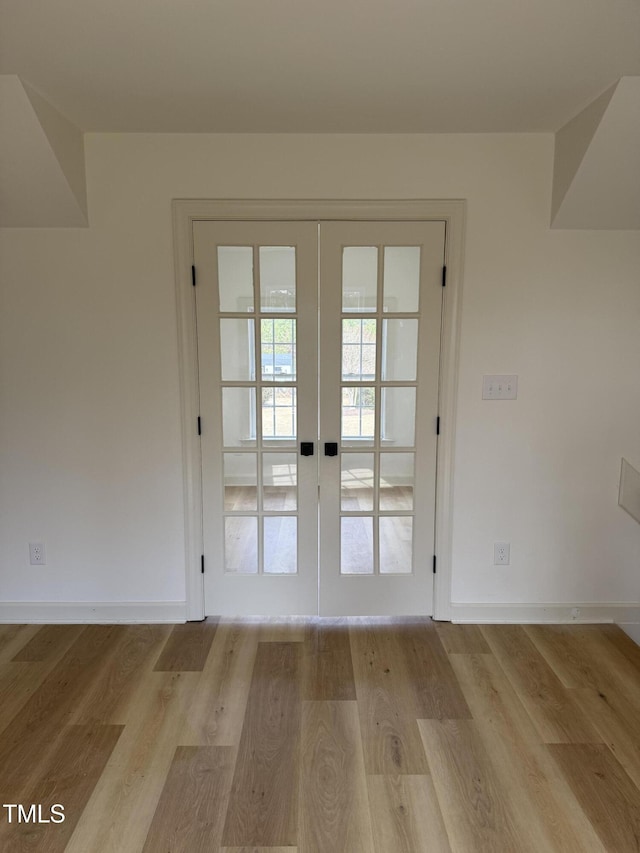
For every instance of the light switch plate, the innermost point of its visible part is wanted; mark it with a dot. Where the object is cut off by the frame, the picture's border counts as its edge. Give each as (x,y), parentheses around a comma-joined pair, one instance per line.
(500,387)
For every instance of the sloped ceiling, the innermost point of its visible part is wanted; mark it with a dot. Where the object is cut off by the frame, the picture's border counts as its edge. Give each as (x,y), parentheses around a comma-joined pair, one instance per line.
(339,66)
(42,175)
(335,66)
(596,180)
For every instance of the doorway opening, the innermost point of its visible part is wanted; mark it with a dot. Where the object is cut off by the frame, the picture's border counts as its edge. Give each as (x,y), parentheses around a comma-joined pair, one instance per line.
(320,374)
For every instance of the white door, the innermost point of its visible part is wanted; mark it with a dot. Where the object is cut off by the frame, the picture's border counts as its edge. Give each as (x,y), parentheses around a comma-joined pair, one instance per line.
(257,322)
(297,438)
(380,319)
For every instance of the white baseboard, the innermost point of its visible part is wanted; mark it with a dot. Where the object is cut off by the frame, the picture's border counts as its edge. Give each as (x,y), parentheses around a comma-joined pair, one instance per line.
(627,616)
(102,612)
(585,612)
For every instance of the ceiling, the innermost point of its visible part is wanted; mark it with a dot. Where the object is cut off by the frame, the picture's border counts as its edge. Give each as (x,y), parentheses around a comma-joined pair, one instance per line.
(406,66)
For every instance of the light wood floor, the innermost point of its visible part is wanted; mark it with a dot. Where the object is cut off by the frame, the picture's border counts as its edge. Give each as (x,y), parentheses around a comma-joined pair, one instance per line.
(332,736)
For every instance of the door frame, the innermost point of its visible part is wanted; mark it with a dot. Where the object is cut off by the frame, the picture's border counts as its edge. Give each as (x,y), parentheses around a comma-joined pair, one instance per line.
(185,212)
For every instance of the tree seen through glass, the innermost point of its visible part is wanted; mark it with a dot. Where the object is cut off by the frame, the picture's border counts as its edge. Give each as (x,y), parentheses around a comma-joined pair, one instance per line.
(278,364)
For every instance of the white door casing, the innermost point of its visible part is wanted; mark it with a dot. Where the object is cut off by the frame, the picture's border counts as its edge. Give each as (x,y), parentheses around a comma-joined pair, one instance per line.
(186,215)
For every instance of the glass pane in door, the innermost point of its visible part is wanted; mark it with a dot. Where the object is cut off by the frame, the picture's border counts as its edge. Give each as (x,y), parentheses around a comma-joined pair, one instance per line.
(356,545)
(237,346)
(359,278)
(399,350)
(241,545)
(358,415)
(396,544)
(280,545)
(279,415)
(279,481)
(356,481)
(235,278)
(397,477)
(240,475)
(398,415)
(278,350)
(238,417)
(277,278)
(359,349)
(401,279)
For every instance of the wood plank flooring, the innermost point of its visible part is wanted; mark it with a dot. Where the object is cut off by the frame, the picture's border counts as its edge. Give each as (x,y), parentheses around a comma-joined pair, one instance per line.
(320,736)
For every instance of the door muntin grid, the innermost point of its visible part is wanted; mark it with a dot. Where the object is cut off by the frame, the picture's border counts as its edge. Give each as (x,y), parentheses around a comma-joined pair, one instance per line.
(380,328)
(260,490)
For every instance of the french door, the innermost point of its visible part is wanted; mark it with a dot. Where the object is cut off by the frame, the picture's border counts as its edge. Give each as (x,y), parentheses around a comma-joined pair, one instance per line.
(318,353)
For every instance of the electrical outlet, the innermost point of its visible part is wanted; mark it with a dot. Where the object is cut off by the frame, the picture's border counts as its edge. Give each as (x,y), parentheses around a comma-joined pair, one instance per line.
(37,556)
(501,553)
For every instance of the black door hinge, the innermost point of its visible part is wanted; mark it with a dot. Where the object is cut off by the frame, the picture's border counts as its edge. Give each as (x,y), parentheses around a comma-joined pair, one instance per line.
(193,275)
(199,426)
(444,276)
(438,425)
(202,564)
(434,564)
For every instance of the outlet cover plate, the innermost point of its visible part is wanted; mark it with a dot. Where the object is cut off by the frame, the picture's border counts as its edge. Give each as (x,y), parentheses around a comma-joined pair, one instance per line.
(37,554)
(501,553)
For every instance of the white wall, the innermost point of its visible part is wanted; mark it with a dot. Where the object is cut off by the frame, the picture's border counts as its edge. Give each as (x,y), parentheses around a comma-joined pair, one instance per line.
(89,430)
